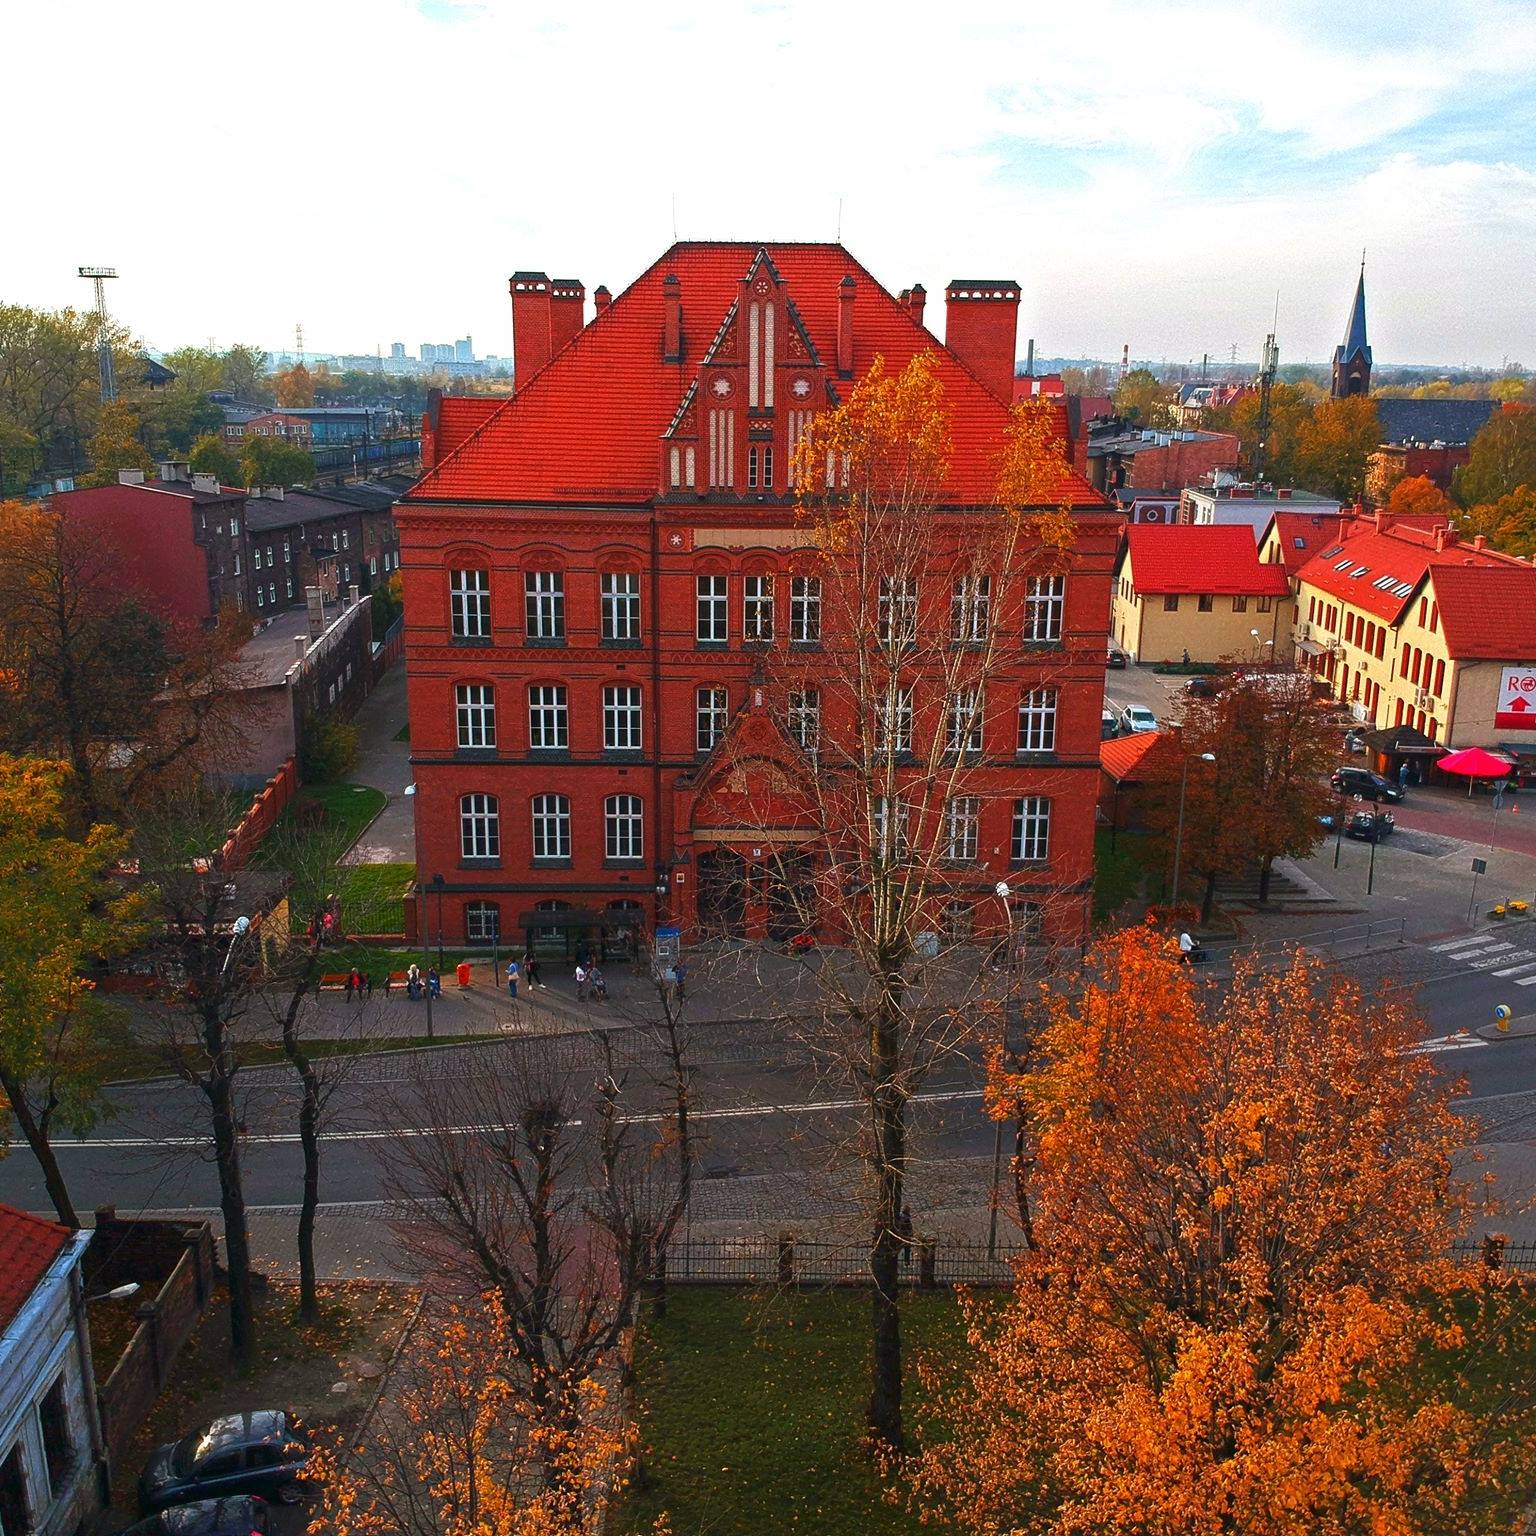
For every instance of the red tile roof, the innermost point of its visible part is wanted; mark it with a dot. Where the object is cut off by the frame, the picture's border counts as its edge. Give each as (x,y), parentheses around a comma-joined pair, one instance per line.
(459,416)
(1377,570)
(1487,615)
(1139,759)
(587,426)
(1301,535)
(1200,557)
(28,1245)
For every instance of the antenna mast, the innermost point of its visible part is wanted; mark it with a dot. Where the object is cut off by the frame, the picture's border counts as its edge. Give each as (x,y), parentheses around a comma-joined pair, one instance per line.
(99,275)
(1267,371)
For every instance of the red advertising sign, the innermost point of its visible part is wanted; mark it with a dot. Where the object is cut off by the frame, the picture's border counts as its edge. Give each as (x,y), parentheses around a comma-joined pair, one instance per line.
(1517,700)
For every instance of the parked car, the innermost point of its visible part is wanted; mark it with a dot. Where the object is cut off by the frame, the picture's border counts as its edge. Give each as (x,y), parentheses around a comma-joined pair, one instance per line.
(1368,785)
(242,1514)
(1109,725)
(1137,717)
(1201,687)
(256,1452)
(1370,826)
(1114,658)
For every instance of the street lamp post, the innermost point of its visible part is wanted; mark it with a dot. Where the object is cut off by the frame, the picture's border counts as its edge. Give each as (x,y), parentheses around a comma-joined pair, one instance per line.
(1178,837)
(439,885)
(1004,891)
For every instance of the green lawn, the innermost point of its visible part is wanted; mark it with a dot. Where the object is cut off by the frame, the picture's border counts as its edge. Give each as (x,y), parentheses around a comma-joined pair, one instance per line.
(344,808)
(1119,871)
(404,733)
(371,896)
(751,1409)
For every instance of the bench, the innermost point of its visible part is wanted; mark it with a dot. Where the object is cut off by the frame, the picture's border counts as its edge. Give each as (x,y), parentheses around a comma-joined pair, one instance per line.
(334,981)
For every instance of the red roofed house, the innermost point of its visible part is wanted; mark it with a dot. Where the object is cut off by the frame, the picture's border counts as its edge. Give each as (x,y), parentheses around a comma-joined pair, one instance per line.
(1198,590)
(52,1462)
(592,570)
(1127,765)
(1406,625)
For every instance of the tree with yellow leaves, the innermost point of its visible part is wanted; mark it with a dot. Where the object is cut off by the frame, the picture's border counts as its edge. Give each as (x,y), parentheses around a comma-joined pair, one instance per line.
(1239,1317)
(59,909)
(457,1447)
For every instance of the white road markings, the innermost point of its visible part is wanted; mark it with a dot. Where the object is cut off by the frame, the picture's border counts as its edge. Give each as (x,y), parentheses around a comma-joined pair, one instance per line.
(1514,970)
(1456,1042)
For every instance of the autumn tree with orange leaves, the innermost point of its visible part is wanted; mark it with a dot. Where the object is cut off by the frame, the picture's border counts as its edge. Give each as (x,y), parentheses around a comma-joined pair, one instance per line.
(1238,1318)
(456,1447)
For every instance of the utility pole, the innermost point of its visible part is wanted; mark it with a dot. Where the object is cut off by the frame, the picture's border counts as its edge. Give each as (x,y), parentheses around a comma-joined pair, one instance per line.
(99,275)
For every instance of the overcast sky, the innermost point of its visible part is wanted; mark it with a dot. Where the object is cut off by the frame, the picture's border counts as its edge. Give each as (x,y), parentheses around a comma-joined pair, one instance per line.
(1151,173)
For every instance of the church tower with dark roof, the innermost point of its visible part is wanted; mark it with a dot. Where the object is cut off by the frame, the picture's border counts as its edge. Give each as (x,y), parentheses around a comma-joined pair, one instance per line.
(1352,361)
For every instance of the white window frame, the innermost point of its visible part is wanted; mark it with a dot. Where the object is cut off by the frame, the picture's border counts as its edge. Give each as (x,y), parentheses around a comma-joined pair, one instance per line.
(805,610)
(551,815)
(896,610)
(711,716)
(962,828)
(474,706)
(886,848)
(620,605)
(479,826)
(623,828)
(1037,719)
(469,605)
(893,721)
(965,720)
(544,605)
(622,730)
(804,718)
(548,718)
(1031,836)
(970,610)
(712,610)
(757,608)
(477,930)
(1045,602)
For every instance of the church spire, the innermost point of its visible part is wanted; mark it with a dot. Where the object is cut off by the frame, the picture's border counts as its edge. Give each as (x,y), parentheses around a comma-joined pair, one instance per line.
(1352,361)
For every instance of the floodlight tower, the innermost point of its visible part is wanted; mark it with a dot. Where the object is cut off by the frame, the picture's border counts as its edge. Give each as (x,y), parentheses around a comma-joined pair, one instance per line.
(99,275)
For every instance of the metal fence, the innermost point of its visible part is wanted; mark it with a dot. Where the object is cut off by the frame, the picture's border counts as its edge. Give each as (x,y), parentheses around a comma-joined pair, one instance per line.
(1497,1253)
(788,1260)
(1336,943)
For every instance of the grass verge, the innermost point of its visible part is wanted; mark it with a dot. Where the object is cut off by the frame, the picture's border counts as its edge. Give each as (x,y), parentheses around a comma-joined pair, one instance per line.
(340,810)
(751,1411)
(137,1061)
(1121,870)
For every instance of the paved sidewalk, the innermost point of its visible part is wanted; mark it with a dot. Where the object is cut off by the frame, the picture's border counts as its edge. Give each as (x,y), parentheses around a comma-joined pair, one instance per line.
(385,764)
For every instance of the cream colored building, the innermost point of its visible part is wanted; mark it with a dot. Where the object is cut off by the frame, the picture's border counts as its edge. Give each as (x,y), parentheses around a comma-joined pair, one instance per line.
(1198,591)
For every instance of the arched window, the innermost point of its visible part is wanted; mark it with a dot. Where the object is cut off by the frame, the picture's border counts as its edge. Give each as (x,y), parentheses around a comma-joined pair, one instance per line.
(479,827)
(475,709)
(623,827)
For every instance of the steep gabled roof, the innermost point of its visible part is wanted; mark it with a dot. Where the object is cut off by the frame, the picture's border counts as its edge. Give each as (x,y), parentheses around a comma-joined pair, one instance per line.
(1215,558)
(586,427)
(28,1246)
(1432,421)
(1355,344)
(1141,758)
(1301,535)
(1487,614)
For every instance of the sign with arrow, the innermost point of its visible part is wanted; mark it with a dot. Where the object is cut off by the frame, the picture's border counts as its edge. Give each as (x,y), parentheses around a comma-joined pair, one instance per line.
(1517,700)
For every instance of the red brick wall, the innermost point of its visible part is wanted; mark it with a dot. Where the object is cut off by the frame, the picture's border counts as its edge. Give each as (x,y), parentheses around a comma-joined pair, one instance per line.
(1181,463)
(260,815)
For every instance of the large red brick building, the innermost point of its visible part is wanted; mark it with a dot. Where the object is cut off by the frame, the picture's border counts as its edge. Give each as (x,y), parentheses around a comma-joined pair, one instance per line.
(592,570)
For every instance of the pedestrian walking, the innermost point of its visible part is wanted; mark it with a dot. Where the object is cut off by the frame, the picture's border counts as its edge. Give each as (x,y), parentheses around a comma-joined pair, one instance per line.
(513,972)
(680,970)
(904,1232)
(581,980)
(1402,775)
(597,985)
(531,970)
(434,986)
(349,986)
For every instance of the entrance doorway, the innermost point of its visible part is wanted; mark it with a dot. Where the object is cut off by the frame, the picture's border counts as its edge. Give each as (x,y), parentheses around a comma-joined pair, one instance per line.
(791,877)
(723,892)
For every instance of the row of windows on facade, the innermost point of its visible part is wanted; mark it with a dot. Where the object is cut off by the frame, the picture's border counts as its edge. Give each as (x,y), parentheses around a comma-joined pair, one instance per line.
(1411,663)
(624,828)
(971,603)
(31,1484)
(1205,601)
(482,919)
(623,729)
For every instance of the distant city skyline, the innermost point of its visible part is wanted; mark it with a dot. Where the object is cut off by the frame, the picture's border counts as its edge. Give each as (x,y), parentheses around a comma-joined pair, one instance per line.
(1152,179)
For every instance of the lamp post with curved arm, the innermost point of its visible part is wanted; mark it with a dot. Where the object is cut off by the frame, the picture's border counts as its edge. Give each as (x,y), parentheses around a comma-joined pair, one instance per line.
(1178,837)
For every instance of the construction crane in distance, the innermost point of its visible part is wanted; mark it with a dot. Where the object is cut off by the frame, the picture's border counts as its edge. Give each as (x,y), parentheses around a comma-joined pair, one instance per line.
(99,275)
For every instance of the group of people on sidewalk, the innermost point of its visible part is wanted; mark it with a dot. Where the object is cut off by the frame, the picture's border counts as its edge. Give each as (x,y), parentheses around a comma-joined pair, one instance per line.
(590,982)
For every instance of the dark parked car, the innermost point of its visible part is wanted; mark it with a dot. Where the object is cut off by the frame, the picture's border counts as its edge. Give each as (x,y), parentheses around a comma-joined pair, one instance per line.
(256,1452)
(1370,826)
(1201,687)
(1114,658)
(1368,785)
(242,1514)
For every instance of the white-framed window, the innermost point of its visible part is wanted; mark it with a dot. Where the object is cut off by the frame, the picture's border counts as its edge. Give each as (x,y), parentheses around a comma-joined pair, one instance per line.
(269,557)
(261,596)
(893,721)
(256,558)
(548,723)
(544,602)
(234,527)
(805,610)
(290,586)
(482,922)
(1044,599)
(1031,829)
(624,827)
(890,829)
(965,723)
(373,567)
(620,592)
(962,824)
(287,549)
(469,605)
(1037,720)
(551,827)
(970,609)
(804,716)
(346,542)
(272,598)
(711,714)
(349,671)
(757,608)
(897,610)
(713,614)
(621,718)
(237,562)
(475,707)
(479,827)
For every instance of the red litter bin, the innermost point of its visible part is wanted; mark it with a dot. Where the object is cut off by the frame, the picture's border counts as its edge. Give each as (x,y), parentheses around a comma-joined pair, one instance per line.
(462,972)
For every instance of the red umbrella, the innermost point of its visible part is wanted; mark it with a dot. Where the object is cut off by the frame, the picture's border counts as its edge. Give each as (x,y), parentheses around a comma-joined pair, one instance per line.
(1474,763)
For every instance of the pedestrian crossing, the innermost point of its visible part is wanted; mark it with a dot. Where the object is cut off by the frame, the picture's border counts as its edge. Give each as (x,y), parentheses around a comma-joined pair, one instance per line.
(1489,952)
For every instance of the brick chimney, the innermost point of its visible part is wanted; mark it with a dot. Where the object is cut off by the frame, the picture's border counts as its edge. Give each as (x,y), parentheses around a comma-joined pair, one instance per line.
(601,299)
(671,319)
(567,311)
(1480,542)
(917,298)
(981,324)
(532,338)
(846,292)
